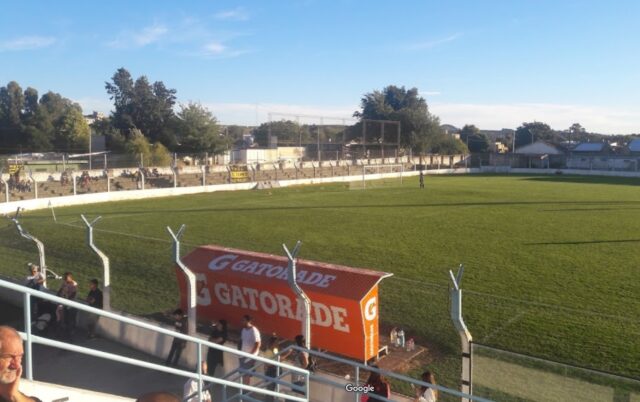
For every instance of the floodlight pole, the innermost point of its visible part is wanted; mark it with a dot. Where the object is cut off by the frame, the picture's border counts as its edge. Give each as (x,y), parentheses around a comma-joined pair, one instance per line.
(302,296)
(106,272)
(26,235)
(191,280)
(465,335)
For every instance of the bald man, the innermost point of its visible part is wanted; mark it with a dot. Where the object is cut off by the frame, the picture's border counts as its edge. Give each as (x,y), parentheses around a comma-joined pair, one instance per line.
(11,353)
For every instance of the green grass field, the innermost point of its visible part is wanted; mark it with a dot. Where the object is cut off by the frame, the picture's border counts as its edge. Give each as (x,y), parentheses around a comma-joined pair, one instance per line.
(551,263)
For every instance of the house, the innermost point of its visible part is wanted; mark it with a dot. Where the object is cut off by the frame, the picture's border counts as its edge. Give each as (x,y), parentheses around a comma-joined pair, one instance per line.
(592,148)
(539,155)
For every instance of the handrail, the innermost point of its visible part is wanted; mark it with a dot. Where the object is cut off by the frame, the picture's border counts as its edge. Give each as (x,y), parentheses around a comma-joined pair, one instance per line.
(28,292)
(387,374)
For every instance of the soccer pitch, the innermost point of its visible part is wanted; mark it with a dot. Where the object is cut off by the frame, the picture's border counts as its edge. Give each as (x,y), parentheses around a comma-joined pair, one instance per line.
(551,262)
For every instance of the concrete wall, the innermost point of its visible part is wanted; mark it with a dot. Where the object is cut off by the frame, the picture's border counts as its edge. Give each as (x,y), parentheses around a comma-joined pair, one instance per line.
(50,392)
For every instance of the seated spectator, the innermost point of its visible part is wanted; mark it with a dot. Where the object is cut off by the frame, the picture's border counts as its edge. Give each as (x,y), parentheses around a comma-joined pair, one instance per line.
(427,394)
(380,387)
(11,353)
(190,392)
(66,316)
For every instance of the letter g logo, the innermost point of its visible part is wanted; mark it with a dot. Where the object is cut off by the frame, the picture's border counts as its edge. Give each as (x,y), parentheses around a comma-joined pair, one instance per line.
(221,262)
(371,309)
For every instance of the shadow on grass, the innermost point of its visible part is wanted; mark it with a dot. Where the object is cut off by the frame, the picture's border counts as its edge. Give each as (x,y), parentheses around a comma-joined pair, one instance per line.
(587,179)
(582,242)
(360,206)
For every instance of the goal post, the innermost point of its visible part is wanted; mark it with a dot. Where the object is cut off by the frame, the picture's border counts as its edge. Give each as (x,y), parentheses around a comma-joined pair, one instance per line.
(378,176)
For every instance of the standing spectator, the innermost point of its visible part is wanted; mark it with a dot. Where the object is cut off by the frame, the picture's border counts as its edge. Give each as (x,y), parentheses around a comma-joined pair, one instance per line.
(421,179)
(11,353)
(380,387)
(300,359)
(218,335)
(66,316)
(35,280)
(271,370)
(180,324)
(249,343)
(427,394)
(191,388)
(94,298)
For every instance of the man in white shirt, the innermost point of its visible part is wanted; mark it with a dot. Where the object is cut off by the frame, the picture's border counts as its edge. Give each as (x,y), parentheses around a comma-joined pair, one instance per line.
(249,343)
(191,388)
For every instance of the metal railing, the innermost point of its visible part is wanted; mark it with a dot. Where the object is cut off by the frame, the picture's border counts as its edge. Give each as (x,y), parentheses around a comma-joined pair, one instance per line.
(198,375)
(358,368)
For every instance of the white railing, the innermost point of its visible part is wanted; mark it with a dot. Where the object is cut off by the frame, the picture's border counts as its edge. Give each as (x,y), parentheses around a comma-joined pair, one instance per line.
(359,367)
(199,376)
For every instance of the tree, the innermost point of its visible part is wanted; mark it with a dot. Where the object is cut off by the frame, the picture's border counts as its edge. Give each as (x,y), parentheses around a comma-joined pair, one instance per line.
(419,128)
(476,141)
(73,132)
(199,130)
(577,133)
(11,105)
(144,106)
(528,133)
(152,155)
(287,131)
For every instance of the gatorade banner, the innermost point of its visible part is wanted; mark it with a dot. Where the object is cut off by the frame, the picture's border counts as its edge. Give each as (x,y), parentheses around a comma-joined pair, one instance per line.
(344,300)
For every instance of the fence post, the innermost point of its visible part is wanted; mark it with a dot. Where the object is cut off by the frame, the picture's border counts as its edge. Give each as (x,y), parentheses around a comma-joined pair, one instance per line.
(39,245)
(35,184)
(141,171)
(106,272)
(6,187)
(293,284)
(465,335)
(106,172)
(203,168)
(191,280)
(73,179)
(27,330)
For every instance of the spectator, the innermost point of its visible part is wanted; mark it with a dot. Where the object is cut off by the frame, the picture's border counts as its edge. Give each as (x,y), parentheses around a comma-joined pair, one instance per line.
(300,359)
(191,388)
(158,397)
(218,335)
(380,387)
(66,316)
(424,393)
(270,370)
(35,280)
(180,325)
(94,298)
(249,343)
(11,353)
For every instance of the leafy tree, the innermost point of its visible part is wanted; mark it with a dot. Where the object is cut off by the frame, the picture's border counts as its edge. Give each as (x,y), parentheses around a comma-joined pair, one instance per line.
(144,106)
(11,105)
(114,140)
(73,132)
(528,133)
(287,131)
(475,140)
(419,128)
(152,155)
(160,155)
(578,133)
(199,130)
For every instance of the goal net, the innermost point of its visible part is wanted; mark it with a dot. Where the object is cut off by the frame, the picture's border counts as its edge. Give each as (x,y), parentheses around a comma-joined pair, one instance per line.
(378,176)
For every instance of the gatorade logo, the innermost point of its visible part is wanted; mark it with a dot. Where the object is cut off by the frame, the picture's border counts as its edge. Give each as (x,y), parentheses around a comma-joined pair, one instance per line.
(371,309)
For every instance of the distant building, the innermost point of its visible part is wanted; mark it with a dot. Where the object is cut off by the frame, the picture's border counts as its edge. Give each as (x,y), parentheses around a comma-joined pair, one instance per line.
(93,117)
(592,148)
(539,155)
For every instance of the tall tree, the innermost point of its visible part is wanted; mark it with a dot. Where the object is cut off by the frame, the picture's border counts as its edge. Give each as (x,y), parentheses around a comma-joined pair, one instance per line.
(475,140)
(144,106)
(528,133)
(287,131)
(419,128)
(11,105)
(198,130)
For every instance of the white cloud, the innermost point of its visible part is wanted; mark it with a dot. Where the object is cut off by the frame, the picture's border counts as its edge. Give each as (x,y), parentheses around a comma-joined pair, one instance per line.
(215,48)
(605,120)
(432,43)
(26,43)
(141,38)
(237,14)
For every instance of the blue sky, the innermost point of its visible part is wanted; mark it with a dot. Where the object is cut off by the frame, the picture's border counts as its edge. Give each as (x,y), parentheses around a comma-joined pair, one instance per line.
(490,63)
